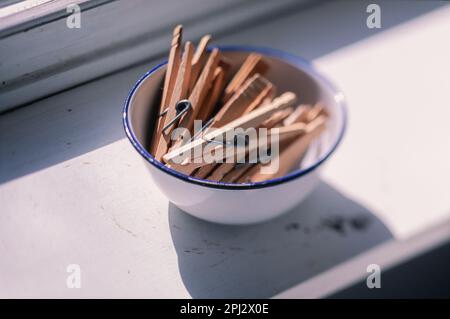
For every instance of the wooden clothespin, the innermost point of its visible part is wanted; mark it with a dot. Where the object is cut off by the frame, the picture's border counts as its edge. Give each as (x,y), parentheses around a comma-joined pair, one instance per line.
(225,64)
(267,93)
(252,119)
(199,59)
(298,115)
(315,111)
(169,82)
(284,133)
(221,170)
(251,95)
(205,170)
(213,95)
(252,64)
(244,100)
(290,153)
(195,83)
(198,96)
(277,118)
(303,114)
(235,174)
(179,93)
(200,90)
(224,169)
(206,110)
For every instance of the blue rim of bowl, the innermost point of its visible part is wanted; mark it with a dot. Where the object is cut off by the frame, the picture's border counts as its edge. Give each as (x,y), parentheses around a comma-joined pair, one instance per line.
(286,57)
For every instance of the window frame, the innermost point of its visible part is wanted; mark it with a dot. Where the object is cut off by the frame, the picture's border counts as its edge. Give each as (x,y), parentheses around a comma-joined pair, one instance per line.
(42,56)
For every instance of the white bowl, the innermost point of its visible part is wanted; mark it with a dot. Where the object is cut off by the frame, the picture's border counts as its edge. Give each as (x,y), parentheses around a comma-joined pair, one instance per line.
(239,203)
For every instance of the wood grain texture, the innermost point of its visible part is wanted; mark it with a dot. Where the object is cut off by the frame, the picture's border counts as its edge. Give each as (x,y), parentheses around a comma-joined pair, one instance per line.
(213,95)
(197,98)
(291,151)
(180,92)
(253,64)
(173,65)
(251,119)
(244,100)
(199,59)
(201,88)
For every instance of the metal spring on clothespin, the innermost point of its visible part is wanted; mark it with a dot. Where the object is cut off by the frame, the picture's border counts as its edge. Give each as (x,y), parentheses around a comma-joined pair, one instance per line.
(181,108)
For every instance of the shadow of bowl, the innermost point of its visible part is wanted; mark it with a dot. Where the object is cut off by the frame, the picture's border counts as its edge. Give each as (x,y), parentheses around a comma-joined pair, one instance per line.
(259,261)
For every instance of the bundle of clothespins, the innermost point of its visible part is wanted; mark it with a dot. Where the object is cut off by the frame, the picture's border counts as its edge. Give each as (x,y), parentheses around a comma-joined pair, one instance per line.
(199,85)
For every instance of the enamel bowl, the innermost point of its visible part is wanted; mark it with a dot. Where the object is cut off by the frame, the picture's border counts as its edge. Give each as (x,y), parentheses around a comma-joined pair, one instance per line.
(240,203)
